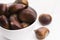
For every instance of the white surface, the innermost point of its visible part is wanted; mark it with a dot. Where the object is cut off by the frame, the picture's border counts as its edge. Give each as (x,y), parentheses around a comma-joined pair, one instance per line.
(51,7)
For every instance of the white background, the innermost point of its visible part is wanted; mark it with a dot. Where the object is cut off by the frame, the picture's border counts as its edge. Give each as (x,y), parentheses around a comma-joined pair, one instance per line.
(51,7)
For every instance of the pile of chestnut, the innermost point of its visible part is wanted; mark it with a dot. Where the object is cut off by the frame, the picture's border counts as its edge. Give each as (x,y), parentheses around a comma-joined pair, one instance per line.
(16,16)
(42,32)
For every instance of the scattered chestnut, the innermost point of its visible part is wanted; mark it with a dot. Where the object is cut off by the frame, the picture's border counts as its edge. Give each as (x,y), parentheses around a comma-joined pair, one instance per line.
(42,32)
(45,19)
(14,23)
(3,8)
(4,22)
(28,15)
(25,2)
(16,7)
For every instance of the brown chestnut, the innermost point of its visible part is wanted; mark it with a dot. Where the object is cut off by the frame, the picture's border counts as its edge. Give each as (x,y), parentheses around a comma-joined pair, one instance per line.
(25,2)
(45,19)
(16,7)
(4,22)
(14,24)
(3,8)
(42,32)
(28,15)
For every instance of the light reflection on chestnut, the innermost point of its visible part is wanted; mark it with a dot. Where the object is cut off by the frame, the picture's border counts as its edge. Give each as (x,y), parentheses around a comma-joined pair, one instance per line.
(25,2)
(14,24)
(16,7)
(42,32)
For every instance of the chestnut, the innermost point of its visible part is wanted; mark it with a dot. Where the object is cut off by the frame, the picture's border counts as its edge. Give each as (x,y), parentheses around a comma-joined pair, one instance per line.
(4,22)
(14,23)
(42,32)
(3,9)
(45,19)
(28,15)
(25,2)
(14,8)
